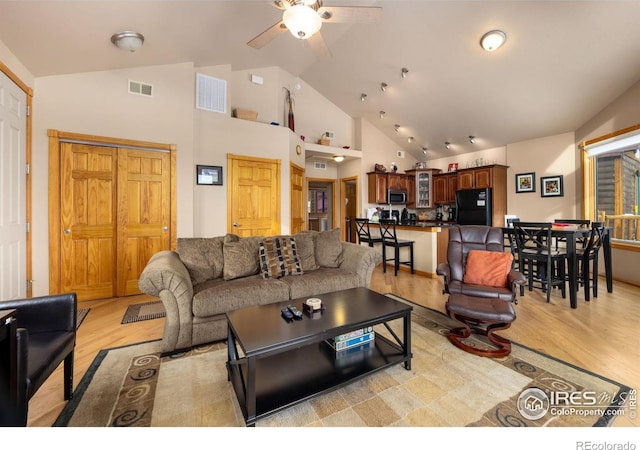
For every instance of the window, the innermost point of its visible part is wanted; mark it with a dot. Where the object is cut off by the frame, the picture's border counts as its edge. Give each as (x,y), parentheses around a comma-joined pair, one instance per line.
(611,170)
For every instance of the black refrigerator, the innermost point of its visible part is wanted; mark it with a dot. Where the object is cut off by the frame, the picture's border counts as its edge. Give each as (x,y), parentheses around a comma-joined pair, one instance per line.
(473,207)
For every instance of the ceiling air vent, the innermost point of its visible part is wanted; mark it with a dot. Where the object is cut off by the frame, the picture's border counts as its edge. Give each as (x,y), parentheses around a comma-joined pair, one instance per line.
(211,94)
(139,88)
(320,165)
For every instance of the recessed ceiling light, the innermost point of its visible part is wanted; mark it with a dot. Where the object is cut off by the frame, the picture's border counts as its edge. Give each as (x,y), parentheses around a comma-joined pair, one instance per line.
(493,40)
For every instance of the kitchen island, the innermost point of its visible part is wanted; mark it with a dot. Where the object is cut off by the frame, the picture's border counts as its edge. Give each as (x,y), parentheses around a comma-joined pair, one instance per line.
(428,250)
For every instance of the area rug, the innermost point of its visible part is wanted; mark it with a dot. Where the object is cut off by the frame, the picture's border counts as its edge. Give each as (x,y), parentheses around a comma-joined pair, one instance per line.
(144,311)
(81,315)
(446,387)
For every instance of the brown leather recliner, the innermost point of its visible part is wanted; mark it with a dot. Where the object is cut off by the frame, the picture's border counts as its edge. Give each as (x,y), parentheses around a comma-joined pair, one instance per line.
(45,337)
(481,309)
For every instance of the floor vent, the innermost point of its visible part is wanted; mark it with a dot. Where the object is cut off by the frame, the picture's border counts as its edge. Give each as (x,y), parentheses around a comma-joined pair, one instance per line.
(320,165)
(211,94)
(139,88)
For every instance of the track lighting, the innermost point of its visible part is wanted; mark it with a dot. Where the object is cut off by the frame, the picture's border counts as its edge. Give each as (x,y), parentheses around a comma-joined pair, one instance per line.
(424,150)
(404,72)
(382,113)
(472,139)
(410,139)
(383,87)
(396,127)
(362,97)
(447,145)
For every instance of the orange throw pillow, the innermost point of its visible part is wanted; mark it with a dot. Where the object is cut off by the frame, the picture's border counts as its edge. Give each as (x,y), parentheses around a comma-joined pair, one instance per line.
(487,268)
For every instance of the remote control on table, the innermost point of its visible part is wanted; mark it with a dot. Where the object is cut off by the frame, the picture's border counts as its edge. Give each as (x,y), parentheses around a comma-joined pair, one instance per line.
(296,313)
(286,314)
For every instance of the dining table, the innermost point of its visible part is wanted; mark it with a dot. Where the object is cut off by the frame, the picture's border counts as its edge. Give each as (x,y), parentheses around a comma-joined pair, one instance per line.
(572,235)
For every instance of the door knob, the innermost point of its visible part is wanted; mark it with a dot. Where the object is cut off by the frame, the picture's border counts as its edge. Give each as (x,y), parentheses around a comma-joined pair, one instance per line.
(235,224)
(165,228)
(67,230)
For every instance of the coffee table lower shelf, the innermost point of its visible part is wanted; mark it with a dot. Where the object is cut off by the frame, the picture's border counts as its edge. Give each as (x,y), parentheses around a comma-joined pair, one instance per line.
(291,377)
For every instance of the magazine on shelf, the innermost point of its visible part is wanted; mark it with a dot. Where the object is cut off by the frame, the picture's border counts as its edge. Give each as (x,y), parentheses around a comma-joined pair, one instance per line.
(351,342)
(352,334)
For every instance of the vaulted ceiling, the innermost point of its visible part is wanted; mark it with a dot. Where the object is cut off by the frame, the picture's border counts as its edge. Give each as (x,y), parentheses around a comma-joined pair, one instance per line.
(563,61)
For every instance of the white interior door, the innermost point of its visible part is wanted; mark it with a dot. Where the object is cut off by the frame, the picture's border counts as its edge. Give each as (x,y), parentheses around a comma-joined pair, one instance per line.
(13,185)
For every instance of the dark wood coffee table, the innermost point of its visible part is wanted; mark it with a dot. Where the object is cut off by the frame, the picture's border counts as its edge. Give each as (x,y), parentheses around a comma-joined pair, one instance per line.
(285,363)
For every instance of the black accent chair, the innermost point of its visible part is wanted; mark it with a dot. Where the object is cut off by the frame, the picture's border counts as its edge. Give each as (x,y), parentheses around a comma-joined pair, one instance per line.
(588,259)
(481,309)
(543,264)
(45,337)
(364,233)
(390,239)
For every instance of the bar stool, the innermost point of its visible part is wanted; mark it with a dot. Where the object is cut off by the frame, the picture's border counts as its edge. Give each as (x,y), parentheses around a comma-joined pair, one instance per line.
(390,239)
(364,233)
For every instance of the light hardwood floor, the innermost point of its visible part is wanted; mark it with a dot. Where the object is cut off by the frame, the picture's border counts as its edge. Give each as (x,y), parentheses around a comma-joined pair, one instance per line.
(597,336)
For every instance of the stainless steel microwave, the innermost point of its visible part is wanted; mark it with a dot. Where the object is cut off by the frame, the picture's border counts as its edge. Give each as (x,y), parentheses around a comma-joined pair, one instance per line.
(396,197)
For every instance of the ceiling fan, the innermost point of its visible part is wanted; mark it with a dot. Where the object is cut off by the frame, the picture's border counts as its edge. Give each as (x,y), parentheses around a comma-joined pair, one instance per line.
(304,18)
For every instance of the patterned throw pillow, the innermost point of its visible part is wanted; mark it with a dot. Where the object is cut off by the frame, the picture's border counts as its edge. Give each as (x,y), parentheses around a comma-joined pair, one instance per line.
(278,257)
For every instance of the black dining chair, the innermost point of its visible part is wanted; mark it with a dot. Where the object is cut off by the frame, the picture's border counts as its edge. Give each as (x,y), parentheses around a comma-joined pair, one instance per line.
(582,223)
(390,239)
(511,242)
(588,260)
(541,263)
(364,233)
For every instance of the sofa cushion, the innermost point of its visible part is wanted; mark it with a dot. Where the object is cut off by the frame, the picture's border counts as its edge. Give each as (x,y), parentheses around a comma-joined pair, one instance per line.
(240,256)
(278,257)
(218,296)
(202,257)
(328,248)
(305,250)
(487,268)
(320,281)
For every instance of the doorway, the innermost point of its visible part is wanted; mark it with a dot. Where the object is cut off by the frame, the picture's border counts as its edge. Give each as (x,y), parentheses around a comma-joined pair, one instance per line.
(321,204)
(349,207)
(111,207)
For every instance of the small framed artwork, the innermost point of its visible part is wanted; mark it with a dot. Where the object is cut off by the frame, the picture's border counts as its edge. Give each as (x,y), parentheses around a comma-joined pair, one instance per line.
(209,175)
(525,182)
(452,167)
(551,186)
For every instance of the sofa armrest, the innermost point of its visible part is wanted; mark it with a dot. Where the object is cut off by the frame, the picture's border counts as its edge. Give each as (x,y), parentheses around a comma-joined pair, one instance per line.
(360,260)
(165,276)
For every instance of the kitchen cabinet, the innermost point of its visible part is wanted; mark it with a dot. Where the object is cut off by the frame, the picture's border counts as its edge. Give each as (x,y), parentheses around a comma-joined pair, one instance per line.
(377,187)
(444,188)
(423,187)
(411,191)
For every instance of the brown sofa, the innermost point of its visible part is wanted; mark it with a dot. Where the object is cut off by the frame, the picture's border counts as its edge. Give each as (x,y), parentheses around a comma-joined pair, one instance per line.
(206,277)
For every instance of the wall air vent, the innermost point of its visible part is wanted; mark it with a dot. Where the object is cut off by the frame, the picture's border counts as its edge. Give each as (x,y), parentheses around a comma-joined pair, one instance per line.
(320,165)
(211,94)
(139,88)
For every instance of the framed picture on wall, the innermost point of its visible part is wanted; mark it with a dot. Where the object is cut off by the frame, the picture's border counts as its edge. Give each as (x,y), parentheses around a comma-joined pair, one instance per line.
(525,182)
(551,186)
(209,175)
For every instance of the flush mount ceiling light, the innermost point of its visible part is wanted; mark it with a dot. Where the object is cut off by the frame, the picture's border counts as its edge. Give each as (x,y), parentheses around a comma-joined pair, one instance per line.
(128,40)
(338,158)
(404,72)
(362,97)
(396,127)
(493,40)
(383,86)
(382,113)
(447,145)
(472,139)
(302,21)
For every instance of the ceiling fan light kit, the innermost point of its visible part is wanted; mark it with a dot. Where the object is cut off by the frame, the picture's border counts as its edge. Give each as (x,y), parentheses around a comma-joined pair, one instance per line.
(128,40)
(302,21)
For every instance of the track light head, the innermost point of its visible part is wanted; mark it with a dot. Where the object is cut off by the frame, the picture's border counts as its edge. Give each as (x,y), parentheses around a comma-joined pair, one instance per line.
(410,139)
(424,150)
(362,97)
(472,139)
(382,113)
(447,145)
(404,72)
(383,87)
(396,127)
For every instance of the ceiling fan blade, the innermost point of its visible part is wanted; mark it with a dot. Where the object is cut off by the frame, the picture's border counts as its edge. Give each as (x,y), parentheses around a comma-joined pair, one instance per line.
(267,35)
(344,14)
(319,46)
